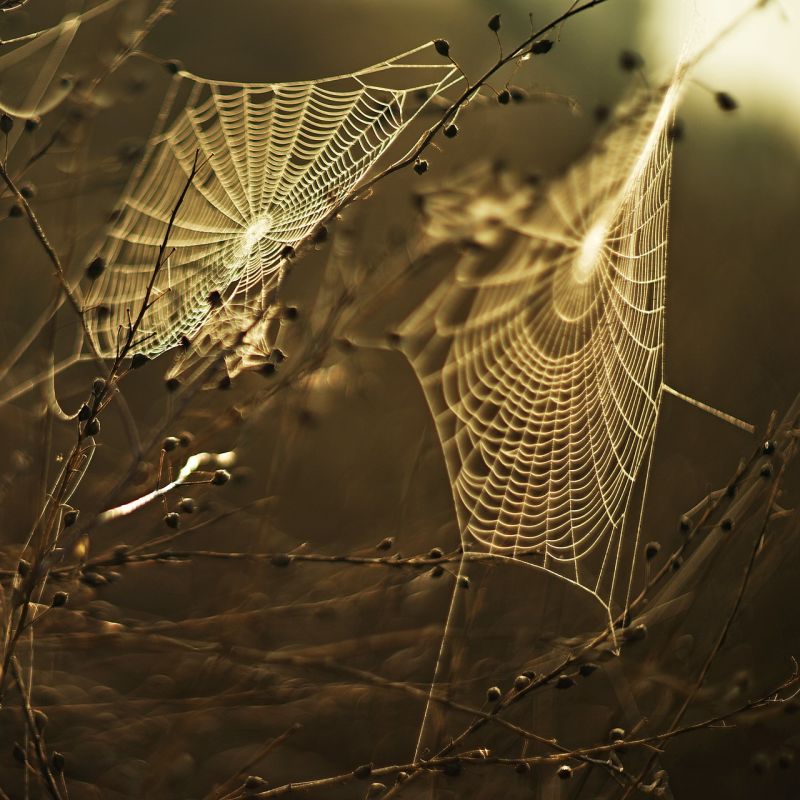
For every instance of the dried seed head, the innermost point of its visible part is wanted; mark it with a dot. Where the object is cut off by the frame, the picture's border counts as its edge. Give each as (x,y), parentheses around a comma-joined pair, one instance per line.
(224,382)
(32,123)
(71,517)
(120,553)
(685,523)
(564,772)
(564,682)
(187,505)
(92,578)
(522,768)
(521,682)
(629,61)
(59,599)
(58,762)
(15,210)
(290,312)
(98,386)
(92,427)
(494,23)
(138,360)
(6,123)
(170,443)
(402,777)
(363,772)
(601,113)
(451,130)
(280,560)
(442,47)
(436,552)
(255,783)
(214,299)
(616,733)
(587,669)
(287,252)
(420,166)
(463,582)
(23,567)
(173,66)
(28,191)
(503,97)
(726,524)
(172,519)
(221,476)
(437,571)
(651,550)
(493,694)
(541,47)
(40,719)
(725,101)
(96,268)
(766,471)
(172,384)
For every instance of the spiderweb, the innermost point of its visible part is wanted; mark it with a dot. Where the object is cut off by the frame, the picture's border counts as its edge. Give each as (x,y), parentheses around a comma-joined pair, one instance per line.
(542,362)
(277,159)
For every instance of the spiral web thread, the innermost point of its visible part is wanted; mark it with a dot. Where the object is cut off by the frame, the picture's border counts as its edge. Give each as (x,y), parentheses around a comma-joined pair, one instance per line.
(278,159)
(543,361)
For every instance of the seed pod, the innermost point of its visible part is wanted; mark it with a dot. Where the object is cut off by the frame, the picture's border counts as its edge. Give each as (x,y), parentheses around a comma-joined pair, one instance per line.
(138,360)
(651,550)
(6,123)
(71,517)
(587,669)
(630,61)
(173,66)
(59,599)
(442,47)
(564,682)
(521,682)
(172,520)
(170,443)
(494,23)
(504,97)
(493,694)
(564,772)
(420,166)
(172,384)
(363,772)
(98,386)
(281,560)
(58,762)
(541,47)
(96,268)
(436,552)
(463,582)
(451,130)
(92,427)
(221,476)
(187,505)
(725,101)
(84,413)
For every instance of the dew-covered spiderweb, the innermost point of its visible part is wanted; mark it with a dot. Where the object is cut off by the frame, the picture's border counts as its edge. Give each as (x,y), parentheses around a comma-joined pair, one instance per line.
(542,358)
(277,159)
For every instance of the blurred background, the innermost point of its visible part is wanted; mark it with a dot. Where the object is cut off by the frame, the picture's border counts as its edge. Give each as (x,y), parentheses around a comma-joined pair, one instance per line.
(165,680)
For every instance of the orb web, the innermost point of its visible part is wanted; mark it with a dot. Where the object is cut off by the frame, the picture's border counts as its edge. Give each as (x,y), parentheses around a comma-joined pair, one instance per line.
(542,359)
(277,159)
